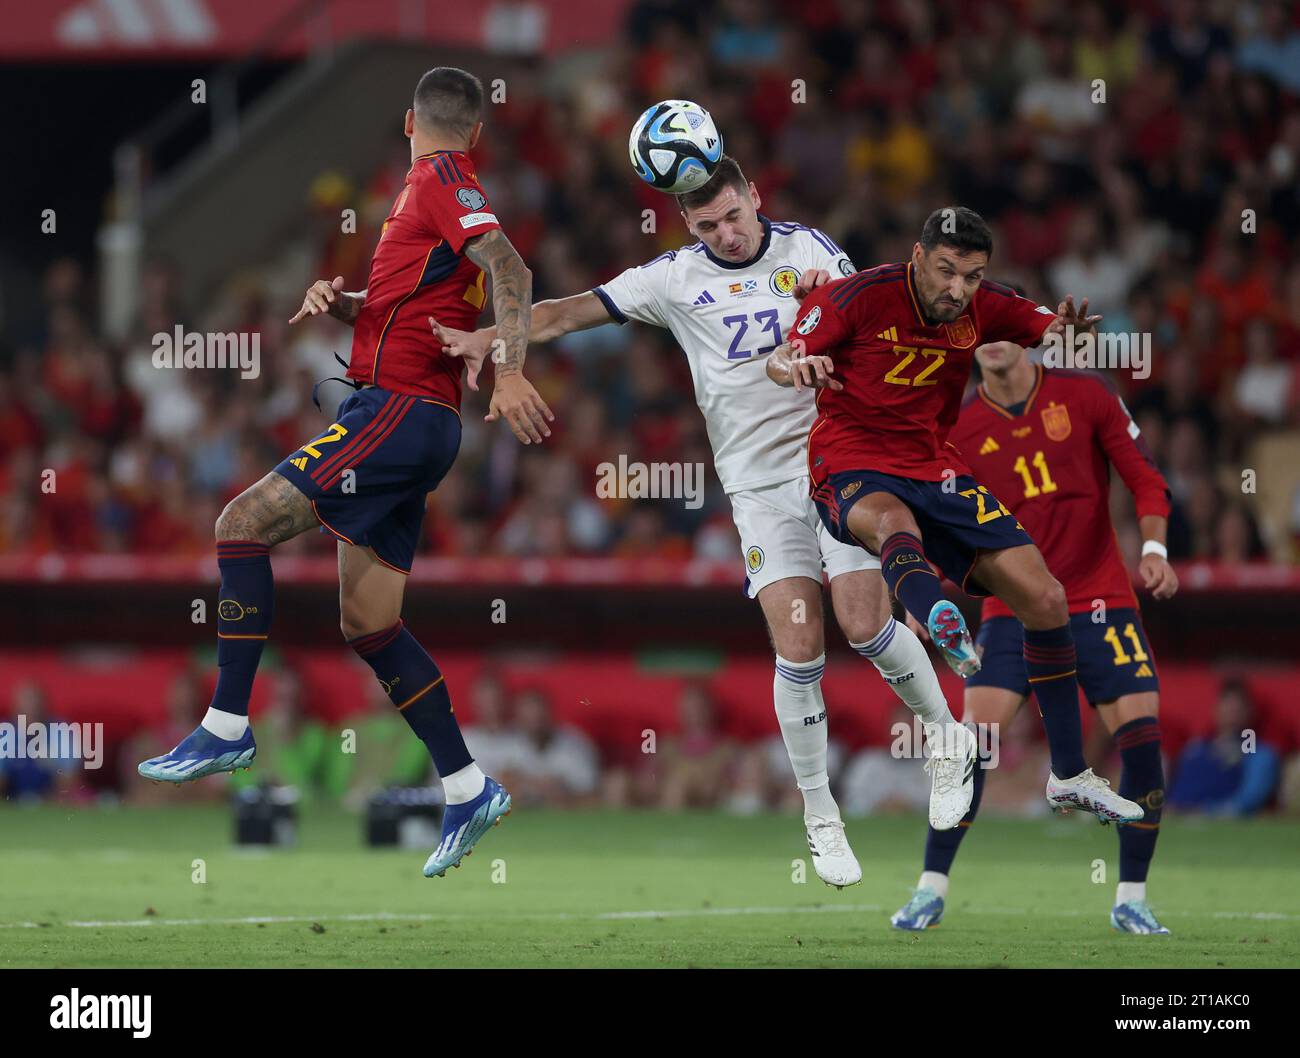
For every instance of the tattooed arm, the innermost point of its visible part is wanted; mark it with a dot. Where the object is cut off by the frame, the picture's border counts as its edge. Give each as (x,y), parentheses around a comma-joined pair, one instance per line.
(513,396)
(348,307)
(512,296)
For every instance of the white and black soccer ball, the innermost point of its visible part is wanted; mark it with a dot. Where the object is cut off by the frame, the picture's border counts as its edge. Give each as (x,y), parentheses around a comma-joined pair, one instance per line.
(675,146)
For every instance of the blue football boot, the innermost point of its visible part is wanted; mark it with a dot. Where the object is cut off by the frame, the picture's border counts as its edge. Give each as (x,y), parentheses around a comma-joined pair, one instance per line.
(201,753)
(1136,917)
(923,911)
(464,824)
(947,627)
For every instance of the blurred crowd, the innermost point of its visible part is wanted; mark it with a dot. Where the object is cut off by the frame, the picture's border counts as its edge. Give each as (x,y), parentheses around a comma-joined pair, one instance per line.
(1145,154)
(516,737)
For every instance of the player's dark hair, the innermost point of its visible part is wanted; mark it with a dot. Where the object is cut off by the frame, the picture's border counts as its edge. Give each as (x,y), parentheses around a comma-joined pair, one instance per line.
(448,99)
(957,227)
(727,174)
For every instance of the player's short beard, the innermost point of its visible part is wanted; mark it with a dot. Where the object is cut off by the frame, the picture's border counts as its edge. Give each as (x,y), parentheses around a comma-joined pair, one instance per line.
(945,313)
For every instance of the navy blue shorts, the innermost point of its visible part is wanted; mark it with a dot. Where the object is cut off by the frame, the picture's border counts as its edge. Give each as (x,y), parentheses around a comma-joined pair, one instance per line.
(368,476)
(1114,658)
(956,524)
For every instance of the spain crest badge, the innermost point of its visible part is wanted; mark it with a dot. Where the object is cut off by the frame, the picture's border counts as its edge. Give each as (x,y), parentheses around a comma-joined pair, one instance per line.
(1056,422)
(961,333)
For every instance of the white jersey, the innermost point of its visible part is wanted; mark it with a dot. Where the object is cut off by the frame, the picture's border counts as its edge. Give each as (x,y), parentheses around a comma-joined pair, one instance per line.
(727,318)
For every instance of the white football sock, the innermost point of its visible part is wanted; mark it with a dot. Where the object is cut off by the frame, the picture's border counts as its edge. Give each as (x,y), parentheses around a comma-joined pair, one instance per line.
(230,726)
(464,785)
(936,881)
(903,662)
(820,805)
(801,713)
(1126,892)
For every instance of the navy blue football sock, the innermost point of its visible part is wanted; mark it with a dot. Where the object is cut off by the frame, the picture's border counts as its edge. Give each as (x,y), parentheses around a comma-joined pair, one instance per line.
(1051,663)
(1142,780)
(909,575)
(244,609)
(941,845)
(416,686)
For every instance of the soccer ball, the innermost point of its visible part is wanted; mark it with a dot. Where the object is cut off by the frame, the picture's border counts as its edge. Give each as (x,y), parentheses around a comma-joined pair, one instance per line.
(675,146)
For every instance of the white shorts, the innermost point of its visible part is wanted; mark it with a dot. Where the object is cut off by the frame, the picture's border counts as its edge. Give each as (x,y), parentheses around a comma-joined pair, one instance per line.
(782,536)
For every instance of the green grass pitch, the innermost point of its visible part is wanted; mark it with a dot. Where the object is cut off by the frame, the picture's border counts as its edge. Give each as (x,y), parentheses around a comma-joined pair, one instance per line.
(114,888)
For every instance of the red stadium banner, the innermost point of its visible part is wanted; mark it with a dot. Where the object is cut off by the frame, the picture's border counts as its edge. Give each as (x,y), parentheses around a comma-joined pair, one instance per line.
(54,568)
(166,29)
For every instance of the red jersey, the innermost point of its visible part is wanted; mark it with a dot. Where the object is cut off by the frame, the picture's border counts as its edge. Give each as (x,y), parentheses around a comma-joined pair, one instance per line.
(903,378)
(1049,461)
(419,271)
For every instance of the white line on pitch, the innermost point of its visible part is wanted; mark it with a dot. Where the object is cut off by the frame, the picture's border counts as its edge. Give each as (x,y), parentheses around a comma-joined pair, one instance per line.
(608,916)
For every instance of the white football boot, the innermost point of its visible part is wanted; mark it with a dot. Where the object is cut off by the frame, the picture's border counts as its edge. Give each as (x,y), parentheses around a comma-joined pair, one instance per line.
(1091,793)
(953,759)
(832,858)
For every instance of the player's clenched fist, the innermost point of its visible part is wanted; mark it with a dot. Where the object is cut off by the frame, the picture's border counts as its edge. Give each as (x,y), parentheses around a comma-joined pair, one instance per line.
(515,400)
(1159,576)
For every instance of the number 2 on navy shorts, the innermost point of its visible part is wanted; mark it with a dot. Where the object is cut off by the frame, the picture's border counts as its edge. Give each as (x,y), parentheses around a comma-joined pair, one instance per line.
(368,475)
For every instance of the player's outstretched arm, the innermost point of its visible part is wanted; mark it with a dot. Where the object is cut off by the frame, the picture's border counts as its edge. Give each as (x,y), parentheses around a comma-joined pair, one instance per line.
(560,316)
(787,365)
(325,297)
(549,320)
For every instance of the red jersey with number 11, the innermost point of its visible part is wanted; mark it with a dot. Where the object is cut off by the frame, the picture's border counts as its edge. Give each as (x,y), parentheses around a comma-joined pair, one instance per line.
(419,271)
(903,377)
(1049,461)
